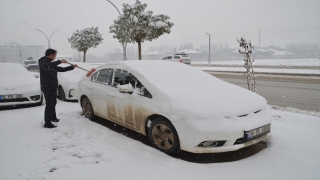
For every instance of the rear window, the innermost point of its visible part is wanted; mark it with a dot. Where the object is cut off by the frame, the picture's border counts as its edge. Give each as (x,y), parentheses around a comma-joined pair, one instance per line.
(177,57)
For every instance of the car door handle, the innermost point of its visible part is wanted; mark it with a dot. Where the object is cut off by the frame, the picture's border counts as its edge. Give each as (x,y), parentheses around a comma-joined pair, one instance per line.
(90,87)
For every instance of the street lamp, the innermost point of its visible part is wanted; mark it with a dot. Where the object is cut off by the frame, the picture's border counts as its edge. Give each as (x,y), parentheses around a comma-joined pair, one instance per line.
(20,52)
(124,44)
(47,36)
(209,60)
(114,6)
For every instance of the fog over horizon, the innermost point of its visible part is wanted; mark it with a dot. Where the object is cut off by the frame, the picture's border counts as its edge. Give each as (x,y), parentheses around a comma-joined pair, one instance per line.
(281,22)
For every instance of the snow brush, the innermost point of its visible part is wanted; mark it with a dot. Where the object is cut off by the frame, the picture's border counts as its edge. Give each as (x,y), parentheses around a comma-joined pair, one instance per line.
(88,72)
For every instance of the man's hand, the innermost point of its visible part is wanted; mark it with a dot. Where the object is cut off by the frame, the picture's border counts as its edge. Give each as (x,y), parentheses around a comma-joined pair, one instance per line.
(64,61)
(75,65)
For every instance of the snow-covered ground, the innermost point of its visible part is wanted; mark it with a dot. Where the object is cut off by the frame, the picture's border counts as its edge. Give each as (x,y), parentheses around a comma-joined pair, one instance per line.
(267,62)
(263,70)
(82,149)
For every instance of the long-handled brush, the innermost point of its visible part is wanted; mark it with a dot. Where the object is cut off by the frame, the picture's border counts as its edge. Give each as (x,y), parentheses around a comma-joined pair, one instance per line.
(88,72)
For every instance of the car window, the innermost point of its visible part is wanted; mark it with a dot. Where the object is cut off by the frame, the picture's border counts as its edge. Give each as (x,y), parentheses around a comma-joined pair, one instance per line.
(137,85)
(103,76)
(122,77)
(94,76)
(119,77)
(169,57)
(177,57)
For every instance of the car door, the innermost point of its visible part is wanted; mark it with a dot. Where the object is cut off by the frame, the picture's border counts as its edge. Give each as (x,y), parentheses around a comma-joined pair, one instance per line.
(126,107)
(101,81)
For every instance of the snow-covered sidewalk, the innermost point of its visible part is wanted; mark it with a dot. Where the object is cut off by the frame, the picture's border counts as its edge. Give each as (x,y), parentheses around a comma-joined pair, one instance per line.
(263,70)
(81,149)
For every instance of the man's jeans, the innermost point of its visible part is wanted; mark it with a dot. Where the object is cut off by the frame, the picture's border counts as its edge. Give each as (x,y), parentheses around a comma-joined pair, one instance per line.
(50,96)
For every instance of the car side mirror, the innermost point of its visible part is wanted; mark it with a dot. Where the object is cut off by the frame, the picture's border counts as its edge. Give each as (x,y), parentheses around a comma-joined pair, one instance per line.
(127,88)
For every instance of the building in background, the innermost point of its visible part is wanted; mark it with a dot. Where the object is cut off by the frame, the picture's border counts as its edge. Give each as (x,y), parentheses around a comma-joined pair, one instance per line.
(9,52)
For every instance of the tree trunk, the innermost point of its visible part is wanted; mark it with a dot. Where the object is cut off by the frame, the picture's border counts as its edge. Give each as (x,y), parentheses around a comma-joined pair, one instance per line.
(84,56)
(124,46)
(139,49)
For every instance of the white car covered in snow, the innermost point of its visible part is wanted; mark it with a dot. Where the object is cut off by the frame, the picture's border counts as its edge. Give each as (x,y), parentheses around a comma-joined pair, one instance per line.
(177,106)
(18,86)
(179,57)
(30,64)
(68,81)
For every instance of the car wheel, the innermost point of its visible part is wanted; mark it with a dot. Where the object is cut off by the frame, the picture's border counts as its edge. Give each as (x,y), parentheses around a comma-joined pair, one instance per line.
(62,96)
(87,108)
(163,136)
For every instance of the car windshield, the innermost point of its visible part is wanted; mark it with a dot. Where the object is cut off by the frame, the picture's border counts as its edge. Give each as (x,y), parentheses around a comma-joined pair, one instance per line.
(30,62)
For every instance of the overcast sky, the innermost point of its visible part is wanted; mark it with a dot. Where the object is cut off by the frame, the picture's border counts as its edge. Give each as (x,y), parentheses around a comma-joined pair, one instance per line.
(281,21)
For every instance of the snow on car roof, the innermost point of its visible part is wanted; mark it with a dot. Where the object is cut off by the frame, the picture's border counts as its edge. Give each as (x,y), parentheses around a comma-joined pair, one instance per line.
(171,75)
(15,75)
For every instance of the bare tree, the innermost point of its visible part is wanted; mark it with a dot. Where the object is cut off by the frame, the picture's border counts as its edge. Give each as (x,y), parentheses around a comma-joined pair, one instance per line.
(246,50)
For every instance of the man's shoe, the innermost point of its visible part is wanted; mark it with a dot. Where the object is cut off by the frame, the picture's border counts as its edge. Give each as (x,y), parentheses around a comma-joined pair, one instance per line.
(49,125)
(55,120)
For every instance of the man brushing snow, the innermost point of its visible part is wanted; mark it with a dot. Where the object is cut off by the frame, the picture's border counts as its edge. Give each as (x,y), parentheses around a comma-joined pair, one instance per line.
(49,84)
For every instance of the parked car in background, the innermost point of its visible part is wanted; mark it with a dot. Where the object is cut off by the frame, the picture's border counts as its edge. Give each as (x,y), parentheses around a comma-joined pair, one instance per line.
(30,64)
(179,57)
(18,86)
(68,81)
(178,107)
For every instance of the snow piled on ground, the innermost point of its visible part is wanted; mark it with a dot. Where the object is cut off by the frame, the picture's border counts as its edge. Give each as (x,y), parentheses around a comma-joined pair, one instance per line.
(295,110)
(267,62)
(262,70)
(82,149)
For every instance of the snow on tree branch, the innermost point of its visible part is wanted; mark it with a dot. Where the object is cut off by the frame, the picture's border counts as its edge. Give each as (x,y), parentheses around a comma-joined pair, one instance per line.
(246,50)
(82,40)
(136,25)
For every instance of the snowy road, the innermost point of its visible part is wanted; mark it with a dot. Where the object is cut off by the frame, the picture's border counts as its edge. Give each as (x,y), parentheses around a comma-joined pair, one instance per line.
(81,149)
(285,91)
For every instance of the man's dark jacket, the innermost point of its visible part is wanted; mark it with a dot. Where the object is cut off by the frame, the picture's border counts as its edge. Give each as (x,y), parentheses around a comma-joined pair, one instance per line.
(48,73)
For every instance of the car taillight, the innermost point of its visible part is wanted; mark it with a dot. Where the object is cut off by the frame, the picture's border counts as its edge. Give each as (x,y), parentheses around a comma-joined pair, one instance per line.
(181,60)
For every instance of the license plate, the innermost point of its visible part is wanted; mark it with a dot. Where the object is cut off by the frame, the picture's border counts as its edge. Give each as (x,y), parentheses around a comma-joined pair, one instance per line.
(248,135)
(13,96)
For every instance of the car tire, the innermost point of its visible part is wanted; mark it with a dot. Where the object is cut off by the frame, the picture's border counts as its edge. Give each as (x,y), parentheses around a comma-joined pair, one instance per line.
(87,109)
(61,95)
(164,136)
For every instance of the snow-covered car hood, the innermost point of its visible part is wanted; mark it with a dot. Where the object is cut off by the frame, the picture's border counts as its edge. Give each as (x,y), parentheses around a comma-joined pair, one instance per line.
(14,78)
(219,99)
